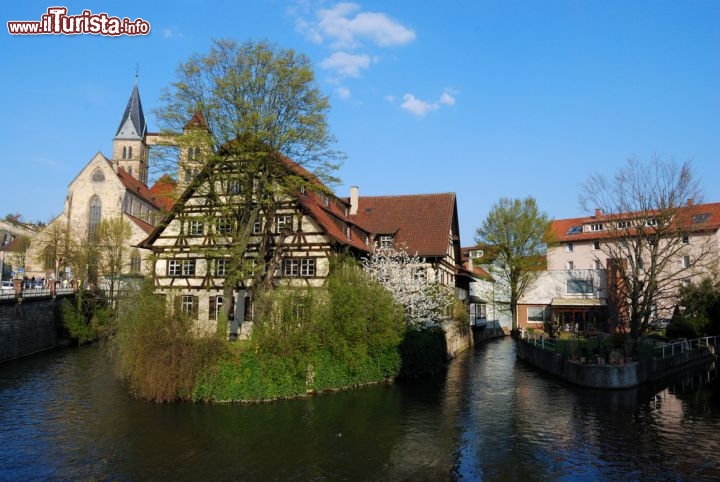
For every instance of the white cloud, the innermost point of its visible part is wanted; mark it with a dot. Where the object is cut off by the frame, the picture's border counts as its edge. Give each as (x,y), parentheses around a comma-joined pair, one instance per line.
(419,107)
(343,92)
(416,106)
(447,99)
(344,26)
(345,64)
(171,32)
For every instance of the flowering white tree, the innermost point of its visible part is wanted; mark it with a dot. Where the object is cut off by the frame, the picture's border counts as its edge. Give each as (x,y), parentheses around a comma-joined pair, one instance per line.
(426,302)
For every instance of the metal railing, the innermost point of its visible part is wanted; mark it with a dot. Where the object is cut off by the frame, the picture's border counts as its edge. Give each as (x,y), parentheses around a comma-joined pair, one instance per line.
(35,293)
(682,346)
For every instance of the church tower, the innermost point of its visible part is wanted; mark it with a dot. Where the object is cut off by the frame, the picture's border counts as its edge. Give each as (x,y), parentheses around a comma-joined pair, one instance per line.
(130,150)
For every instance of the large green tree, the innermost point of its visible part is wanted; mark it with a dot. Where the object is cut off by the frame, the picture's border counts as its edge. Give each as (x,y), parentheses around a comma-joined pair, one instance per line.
(265,137)
(516,231)
(650,228)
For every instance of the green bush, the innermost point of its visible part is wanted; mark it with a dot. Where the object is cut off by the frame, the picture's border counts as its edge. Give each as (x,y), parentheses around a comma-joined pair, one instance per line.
(156,352)
(345,334)
(681,328)
(423,352)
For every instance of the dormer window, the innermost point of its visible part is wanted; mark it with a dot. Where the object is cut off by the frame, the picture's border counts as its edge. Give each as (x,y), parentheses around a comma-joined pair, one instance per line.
(651,222)
(701,218)
(386,241)
(596,227)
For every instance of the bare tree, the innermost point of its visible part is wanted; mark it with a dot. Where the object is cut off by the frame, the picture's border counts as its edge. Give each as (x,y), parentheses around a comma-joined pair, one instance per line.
(112,241)
(516,230)
(654,238)
(257,107)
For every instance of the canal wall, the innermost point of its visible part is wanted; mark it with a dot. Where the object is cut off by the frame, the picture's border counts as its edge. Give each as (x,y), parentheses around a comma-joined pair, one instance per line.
(459,339)
(627,375)
(28,325)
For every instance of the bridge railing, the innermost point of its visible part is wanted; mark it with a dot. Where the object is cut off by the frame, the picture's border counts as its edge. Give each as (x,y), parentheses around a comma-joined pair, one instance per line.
(35,293)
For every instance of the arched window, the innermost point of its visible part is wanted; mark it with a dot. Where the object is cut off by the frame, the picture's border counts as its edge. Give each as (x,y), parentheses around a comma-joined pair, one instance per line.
(124,152)
(197,154)
(191,154)
(94,213)
(129,152)
(98,176)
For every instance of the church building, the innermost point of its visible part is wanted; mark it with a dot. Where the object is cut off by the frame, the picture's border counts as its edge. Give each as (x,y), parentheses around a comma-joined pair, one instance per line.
(107,188)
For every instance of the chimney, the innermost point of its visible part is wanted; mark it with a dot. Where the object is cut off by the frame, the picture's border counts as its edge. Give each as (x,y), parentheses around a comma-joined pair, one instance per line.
(353,200)
(690,202)
(598,212)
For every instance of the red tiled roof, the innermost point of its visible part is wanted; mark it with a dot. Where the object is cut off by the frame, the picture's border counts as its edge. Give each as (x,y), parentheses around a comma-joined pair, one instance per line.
(333,220)
(147,227)
(163,191)
(683,219)
(420,222)
(137,187)
(197,121)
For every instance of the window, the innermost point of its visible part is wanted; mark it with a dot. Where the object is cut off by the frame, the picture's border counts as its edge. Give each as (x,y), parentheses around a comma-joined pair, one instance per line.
(135,262)
(294,267)
(686,261)
(94,214)
(651,222)
(569,248)
(623,224)
(701,218)
(224,226)
(188,305)
(221,267)
(307,267)
(130,170)
(686,239)
(575,230)
(124,154)
(598,264)
(233,187)
(282,222)
(129,153)
(536,314)
(477,253)
(596,227)
(327,202)
(98,176)
(291,267)
(215,307)
(579,286)
(570,265)
(420,275)
(640,263)
(386,241)
(596,244)
(257,227)
(181,267)
(196,228)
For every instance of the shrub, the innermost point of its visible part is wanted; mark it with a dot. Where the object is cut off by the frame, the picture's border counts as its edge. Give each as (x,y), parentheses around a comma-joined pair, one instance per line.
(423,352)
(156,352)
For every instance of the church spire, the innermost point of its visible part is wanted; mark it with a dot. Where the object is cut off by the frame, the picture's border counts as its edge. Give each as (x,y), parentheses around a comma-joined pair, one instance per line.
(132,125)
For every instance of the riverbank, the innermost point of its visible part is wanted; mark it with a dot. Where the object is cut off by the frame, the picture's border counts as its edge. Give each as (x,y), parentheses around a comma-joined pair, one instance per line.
(629,374)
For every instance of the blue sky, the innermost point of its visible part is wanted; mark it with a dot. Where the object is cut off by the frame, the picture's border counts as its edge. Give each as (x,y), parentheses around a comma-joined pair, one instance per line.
(482,98)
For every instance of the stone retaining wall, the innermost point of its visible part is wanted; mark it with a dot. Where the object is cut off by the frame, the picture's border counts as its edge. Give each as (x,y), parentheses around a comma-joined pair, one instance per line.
(608,376)
(28,326)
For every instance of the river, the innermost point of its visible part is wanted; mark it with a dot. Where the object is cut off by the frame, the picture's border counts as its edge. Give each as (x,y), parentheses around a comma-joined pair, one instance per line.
(64,417)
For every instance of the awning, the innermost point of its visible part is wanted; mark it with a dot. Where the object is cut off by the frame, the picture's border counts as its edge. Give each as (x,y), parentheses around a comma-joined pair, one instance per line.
(589,302)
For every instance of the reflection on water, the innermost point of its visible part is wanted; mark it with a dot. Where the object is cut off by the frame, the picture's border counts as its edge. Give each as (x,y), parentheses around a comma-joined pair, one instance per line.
(63,416)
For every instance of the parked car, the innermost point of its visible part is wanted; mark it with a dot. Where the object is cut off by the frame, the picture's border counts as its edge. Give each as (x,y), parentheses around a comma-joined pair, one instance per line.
(7,286)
